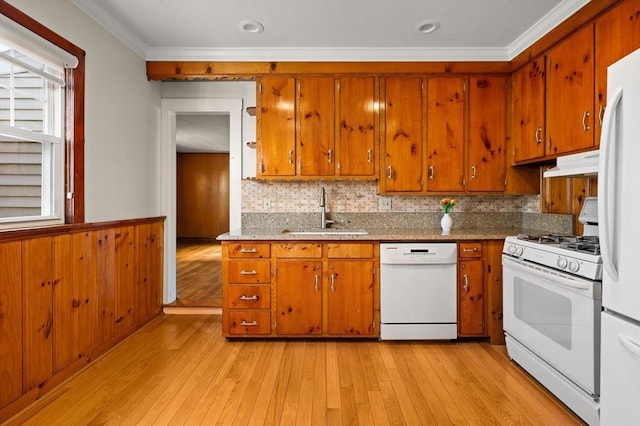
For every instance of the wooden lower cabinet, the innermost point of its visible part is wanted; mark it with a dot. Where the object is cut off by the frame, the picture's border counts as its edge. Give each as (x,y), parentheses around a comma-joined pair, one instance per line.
(480,290)
(316,289)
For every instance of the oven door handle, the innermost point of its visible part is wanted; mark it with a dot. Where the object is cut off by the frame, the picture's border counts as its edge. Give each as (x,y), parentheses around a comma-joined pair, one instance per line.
(630,345)
(550,276)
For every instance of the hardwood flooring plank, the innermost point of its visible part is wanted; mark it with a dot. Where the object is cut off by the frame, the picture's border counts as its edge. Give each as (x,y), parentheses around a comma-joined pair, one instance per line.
(179,370)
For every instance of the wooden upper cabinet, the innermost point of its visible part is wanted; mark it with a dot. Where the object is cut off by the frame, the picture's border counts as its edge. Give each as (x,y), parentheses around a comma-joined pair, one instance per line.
(570,82)
(276,147)
(403,162)
(316,147)
(528,112)
(356,118)
(445,134)
(487,134)
(617,34)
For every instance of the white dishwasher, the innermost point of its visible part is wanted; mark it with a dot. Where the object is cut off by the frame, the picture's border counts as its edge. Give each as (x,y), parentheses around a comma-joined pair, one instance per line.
(418,291)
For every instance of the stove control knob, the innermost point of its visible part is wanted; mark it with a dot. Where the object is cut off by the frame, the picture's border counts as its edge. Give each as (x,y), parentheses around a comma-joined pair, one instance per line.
(562,262)
(512,249)
(574,266)
(519,250)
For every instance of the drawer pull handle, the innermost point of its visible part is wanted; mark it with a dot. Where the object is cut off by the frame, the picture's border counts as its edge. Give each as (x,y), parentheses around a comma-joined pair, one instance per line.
(537,135)
(249,324)
(252,272)
(585,126)
(245,297)
(333,283)
(389,173)
(466,283)
(369,156)
(432,173)
(251,250)
(466,250)
(317,281)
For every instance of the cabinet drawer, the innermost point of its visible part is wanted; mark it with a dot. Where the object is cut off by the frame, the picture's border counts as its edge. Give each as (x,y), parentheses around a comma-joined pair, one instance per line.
(249,250)
(249,271)
(251,297)
(249,322)
(471,249)
(349,251)
(298,250)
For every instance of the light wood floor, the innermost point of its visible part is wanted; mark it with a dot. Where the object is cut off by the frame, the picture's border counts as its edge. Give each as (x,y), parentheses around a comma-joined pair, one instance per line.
(179,370)
(198,274)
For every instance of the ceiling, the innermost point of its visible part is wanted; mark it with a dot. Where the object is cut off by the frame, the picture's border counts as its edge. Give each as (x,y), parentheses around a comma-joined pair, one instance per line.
(329,30)
(202,133)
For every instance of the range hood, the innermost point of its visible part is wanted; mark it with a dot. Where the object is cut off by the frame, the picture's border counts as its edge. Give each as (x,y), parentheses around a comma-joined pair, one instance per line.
(575,165)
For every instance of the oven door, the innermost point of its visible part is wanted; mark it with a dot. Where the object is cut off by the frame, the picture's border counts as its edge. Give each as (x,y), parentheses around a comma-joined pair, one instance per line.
(557,317)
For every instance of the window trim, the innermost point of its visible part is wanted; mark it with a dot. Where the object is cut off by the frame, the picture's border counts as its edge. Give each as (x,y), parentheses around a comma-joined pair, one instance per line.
(74,113)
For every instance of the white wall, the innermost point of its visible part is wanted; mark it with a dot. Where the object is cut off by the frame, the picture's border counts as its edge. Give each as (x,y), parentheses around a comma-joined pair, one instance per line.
(122,113)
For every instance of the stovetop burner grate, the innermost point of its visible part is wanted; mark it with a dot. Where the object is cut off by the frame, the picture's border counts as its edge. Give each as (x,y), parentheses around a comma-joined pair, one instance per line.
(580,243)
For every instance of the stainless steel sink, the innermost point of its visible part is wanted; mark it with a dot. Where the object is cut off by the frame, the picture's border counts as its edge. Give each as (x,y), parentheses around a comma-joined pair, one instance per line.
(327,231)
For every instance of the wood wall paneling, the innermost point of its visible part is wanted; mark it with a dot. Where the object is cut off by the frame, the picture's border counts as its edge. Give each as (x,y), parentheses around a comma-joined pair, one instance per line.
(84,292)
(37,311)
(106,285)
(62,286)
(10,322)
(202,195)
(125,288)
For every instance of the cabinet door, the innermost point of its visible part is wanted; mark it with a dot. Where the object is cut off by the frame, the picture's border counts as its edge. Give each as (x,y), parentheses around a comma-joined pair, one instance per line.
(445,134)
(38,311)
(403,162)
(617,35)
(276,147)
(299,297)
(357,131)
(10,322)
(316,141)
(350,301)
(470,298)
(528,112)
(487,134)
(570,94)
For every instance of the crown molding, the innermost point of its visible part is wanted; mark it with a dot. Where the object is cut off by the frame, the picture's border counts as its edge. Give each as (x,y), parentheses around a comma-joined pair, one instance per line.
(333,54)
(548,22)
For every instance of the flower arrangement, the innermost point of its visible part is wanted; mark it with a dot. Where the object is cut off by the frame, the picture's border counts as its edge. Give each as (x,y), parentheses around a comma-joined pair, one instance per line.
(447,204)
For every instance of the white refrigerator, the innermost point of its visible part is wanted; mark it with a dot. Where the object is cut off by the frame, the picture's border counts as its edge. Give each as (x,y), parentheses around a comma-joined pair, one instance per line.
(619,228)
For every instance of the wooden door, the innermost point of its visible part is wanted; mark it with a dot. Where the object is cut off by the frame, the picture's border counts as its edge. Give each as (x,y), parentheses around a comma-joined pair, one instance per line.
(470,298)
(62,285)
(202,192)
(84,292)
(350,301)
(403,157)
(570,82)
(529,112)
(11,304)
(487,134)
(617,34)
(356,121)
(316,140)
(37,311)
(445,134)
(275,121)
(299,297)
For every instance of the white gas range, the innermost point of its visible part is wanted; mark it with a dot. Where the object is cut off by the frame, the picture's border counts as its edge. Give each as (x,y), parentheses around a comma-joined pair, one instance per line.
(552,291)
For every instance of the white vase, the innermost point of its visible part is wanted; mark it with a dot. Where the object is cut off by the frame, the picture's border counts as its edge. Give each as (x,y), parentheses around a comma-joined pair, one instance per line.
(446,223)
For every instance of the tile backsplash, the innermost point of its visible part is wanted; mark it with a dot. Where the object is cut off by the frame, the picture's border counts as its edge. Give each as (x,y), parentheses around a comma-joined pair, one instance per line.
(361,197)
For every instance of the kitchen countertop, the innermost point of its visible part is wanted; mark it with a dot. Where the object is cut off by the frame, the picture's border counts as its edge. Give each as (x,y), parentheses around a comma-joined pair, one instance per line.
(374,234)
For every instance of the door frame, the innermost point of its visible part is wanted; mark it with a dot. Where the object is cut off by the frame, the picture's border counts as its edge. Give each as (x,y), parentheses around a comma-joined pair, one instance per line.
(170,109)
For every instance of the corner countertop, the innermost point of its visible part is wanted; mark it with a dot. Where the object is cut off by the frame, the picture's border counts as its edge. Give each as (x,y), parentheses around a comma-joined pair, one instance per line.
(374,234)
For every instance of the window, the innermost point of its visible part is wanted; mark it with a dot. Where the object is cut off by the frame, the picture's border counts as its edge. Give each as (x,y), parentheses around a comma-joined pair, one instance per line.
(31,139)
(41,124)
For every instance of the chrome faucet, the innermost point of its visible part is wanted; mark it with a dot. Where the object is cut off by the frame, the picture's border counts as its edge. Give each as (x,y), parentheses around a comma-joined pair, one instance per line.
(323,213)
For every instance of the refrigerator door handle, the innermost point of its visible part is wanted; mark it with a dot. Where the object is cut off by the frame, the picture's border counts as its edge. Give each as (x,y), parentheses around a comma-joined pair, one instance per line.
(630,345)
(606,186)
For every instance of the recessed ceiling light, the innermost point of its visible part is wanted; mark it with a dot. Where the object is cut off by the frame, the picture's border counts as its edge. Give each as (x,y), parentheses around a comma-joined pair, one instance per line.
(428,26)
(251,26)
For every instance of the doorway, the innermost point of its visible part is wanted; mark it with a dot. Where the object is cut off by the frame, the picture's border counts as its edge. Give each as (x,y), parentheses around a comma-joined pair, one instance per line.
(171,110)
